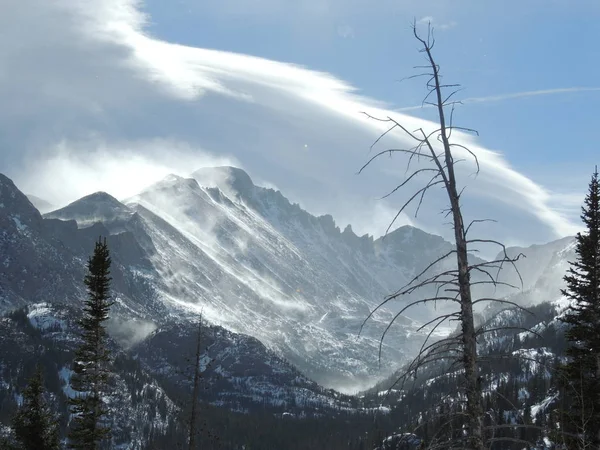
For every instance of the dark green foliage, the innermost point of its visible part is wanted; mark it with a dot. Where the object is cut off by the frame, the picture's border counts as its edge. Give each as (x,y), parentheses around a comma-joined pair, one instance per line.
(91,364)
(34,425)
(580,376)
(264,431)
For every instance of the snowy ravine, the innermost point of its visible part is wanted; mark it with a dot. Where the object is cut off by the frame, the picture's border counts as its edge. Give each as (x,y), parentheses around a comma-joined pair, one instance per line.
(246,259)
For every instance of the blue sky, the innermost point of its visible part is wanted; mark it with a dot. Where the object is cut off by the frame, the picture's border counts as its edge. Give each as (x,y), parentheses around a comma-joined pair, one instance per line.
(491,48)
(114,94)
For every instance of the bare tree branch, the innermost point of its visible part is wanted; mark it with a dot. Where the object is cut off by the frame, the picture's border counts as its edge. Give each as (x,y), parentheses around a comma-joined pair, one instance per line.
(453,286)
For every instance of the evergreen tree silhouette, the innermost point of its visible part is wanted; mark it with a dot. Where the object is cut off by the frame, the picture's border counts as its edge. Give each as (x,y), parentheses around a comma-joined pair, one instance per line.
(34,424)
(580,376)
(92,359)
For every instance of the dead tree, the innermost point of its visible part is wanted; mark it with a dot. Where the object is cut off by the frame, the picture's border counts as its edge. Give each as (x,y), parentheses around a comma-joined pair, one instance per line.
(435,153)
(196,388)
(198,430)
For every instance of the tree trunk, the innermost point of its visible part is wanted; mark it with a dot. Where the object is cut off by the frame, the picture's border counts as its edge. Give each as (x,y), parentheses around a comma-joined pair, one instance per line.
(469,341)
(598,400)
(192,437)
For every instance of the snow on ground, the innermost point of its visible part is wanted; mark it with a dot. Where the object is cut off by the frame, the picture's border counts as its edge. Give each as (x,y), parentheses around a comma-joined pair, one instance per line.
(542,406)
(65,375)
(40,316)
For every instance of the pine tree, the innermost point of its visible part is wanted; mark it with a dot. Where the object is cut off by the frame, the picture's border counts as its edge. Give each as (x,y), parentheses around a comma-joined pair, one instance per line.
(580,376)
(34,424)
(91,365)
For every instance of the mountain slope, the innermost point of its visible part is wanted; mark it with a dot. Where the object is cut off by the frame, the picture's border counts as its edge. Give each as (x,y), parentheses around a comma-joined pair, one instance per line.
(149,392)
(252,262)
(45,334)
(517,372)
(300,286)
(43,260)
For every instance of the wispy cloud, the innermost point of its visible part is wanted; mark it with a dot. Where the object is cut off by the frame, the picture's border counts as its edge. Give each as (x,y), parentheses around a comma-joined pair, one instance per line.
(430,20)
(515,95)
(121,168)
(345,31)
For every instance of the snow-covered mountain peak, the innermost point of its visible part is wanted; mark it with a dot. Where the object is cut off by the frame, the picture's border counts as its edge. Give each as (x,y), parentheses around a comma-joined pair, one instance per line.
(172,182)
(175,191)
(233,181)
(93,208)
(96,201)
(409,235)
(271,204)
(99,197)
(172,178)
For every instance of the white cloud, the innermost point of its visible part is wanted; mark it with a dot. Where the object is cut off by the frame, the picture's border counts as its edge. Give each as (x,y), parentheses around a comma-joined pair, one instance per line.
(296,128)
(430,20)
(495,98)
(122,169)
(345,31)
(513,96)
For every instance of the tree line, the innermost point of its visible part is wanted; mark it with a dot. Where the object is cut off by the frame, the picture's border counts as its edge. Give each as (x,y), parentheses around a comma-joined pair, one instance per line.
(35,426)
(86,420)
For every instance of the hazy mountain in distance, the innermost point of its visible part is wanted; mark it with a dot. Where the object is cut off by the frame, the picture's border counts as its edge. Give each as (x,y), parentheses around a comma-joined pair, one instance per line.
(43,206)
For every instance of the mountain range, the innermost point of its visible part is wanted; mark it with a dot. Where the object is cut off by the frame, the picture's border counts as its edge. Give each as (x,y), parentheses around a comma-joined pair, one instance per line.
(246,259)
(278,297)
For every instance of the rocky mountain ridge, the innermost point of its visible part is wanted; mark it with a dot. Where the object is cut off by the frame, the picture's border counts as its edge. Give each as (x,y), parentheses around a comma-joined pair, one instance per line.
(246,258)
